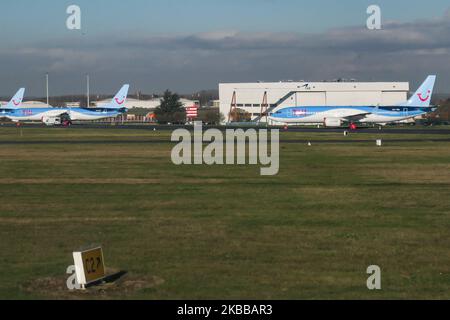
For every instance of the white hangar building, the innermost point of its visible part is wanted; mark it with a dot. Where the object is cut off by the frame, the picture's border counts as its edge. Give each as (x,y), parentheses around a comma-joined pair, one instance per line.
(250,96)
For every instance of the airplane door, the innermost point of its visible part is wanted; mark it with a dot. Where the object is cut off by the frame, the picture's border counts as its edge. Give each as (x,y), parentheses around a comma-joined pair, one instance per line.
(405,112)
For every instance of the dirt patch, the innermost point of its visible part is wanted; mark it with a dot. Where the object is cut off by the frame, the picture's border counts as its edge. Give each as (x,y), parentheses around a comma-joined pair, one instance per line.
(39,220)
(125,285)
(414,174)
(102,181)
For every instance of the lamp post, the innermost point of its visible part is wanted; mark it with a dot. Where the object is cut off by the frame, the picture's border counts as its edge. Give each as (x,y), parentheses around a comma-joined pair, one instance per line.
(46,86)
(87,83)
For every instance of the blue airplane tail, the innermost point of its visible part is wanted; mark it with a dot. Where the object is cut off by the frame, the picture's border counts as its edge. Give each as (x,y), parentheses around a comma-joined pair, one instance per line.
(422,97)
(16,101)
(118,102)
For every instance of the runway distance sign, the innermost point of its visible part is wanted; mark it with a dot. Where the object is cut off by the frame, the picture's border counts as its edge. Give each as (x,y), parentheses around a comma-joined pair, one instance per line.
(89,265)
(192,112)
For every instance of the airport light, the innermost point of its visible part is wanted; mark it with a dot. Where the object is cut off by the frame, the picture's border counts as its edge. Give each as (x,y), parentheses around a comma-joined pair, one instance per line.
(46,85)
(87,82)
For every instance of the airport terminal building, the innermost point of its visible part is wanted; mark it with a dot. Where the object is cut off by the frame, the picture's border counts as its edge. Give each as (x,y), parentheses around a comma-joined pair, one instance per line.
(253,98)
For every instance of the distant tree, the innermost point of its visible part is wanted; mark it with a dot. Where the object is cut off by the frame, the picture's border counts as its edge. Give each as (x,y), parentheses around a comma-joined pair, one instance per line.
(239,115)
(170,103)
(171,109)
(210,115)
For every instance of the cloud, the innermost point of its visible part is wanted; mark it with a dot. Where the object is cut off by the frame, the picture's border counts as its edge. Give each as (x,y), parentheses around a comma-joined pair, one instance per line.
(186,62)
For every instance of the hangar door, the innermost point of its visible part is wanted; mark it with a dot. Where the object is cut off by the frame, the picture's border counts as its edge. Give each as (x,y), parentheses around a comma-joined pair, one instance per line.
(353,98)
(393,98)
(311,99)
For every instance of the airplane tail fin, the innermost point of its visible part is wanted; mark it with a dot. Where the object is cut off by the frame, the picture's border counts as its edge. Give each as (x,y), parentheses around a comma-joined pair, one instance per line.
(422,97)
(118,102)
(16,101)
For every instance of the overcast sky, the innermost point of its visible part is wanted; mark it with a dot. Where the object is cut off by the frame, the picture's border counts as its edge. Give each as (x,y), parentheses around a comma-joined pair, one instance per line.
(195,44)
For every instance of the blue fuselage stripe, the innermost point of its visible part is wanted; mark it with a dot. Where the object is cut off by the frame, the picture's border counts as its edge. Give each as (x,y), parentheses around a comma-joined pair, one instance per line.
(29,112)
(389,111)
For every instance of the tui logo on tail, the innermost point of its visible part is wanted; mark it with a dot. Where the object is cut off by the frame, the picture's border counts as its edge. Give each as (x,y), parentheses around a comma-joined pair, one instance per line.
(120,102)
(420,95)
(119,99)
(16,100)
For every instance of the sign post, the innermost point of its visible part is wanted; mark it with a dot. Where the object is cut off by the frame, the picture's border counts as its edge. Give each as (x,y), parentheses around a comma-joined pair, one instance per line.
(89,265)
(191,112)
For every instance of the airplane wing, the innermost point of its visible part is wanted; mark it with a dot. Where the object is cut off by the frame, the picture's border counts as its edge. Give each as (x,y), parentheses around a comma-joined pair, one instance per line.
(356,117)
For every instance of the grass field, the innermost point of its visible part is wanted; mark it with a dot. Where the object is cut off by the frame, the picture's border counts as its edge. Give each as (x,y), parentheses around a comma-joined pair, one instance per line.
(225,231)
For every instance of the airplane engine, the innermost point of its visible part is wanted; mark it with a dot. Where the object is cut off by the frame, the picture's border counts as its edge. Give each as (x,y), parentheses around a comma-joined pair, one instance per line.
(332,122)
(51,121)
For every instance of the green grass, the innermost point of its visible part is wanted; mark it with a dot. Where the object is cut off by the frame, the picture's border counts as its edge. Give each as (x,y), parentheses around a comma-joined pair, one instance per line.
(39,133)
(224,231)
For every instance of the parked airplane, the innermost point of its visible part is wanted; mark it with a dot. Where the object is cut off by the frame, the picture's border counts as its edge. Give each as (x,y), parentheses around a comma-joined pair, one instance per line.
(53,115)
(336,116)
(114,108)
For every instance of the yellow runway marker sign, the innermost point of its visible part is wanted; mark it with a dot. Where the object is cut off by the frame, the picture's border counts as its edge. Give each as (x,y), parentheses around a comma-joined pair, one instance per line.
(89,265)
